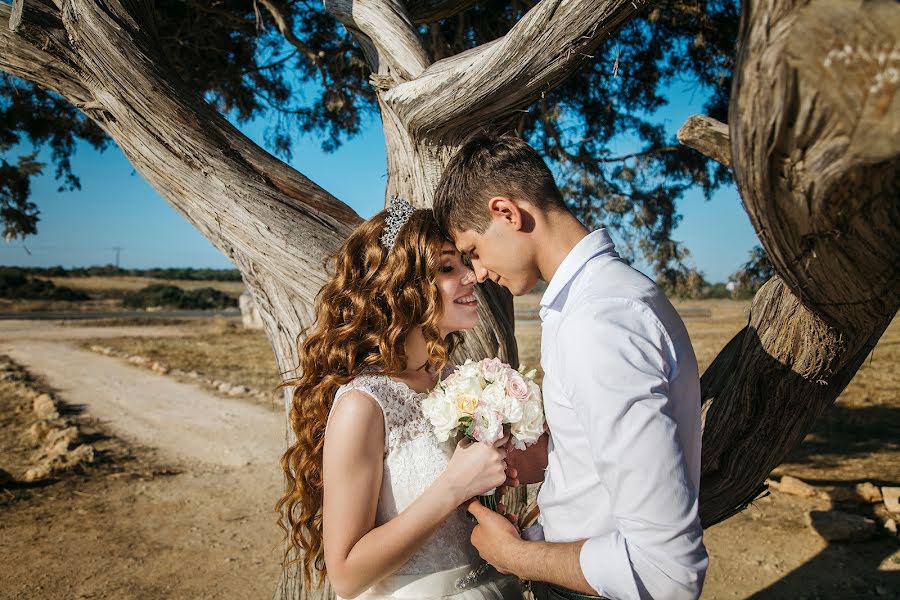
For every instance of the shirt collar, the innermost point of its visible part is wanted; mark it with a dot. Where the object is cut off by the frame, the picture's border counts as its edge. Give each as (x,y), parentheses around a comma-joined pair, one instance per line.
(596,242)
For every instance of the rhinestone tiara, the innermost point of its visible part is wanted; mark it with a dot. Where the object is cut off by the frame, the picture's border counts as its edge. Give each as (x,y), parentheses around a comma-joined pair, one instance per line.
(399,212)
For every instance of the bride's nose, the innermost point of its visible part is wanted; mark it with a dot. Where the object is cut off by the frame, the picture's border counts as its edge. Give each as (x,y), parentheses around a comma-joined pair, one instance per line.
(469,278)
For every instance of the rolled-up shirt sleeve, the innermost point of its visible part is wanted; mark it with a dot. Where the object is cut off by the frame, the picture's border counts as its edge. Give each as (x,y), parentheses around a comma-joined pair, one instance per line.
(619,361)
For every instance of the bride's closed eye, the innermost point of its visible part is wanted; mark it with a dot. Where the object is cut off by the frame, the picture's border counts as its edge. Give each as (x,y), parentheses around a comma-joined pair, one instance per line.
(447,269)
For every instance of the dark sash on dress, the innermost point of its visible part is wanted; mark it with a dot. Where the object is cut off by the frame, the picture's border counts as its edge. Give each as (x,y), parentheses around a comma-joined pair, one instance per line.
(547,591)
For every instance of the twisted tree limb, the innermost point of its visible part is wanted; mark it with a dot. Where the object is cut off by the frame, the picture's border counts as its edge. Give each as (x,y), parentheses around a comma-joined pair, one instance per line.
(493,80)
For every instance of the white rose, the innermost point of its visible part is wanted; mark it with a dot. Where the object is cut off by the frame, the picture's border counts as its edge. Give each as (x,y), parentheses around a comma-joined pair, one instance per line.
(535,391)
(465,386)
(488,425)
(442,413)
(493,396)
(530,427)
(491,369)
(511,409)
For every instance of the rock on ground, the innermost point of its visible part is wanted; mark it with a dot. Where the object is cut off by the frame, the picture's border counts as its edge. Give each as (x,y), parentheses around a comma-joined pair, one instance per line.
(836,526)
(891,498)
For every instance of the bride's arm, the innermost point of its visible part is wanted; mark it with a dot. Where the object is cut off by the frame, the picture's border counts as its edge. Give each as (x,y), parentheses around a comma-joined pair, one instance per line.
(357,553)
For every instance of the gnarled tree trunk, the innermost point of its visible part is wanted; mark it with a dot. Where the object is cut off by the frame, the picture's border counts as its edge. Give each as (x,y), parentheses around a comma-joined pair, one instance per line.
(814,136)
(815,148)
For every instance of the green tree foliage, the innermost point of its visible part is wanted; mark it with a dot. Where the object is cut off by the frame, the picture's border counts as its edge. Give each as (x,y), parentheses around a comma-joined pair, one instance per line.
(312,78)
(755,272)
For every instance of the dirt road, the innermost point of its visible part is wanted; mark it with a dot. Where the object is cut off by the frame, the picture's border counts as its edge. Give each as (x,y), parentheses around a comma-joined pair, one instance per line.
(181,421)
(185,511)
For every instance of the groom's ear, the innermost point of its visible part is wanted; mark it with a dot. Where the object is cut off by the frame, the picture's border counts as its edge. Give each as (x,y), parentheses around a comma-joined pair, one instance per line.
(501,207)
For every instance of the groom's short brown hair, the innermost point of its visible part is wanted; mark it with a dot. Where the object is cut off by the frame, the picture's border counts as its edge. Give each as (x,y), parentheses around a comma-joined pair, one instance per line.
(487,166)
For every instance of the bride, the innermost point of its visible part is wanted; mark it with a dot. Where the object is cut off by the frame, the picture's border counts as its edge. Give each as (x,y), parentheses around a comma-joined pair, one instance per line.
(372,499)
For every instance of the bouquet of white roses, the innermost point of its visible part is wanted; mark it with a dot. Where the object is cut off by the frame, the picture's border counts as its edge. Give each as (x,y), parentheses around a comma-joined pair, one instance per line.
(479,399)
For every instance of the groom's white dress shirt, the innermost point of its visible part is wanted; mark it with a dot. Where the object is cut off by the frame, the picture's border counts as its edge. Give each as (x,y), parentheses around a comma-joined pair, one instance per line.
(622,400)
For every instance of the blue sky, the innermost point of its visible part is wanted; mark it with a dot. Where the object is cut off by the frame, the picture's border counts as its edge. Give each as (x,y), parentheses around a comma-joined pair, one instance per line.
(117,208)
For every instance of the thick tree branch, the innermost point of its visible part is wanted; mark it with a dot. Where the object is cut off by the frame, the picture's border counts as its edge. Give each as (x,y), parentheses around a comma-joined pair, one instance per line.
(37,50)
(707,136)
(395,49)
(429,11)
(244,200)
(815,137)
(494,79)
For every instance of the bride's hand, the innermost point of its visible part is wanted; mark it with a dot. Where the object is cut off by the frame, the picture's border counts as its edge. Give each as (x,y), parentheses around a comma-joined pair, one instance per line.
(476,468)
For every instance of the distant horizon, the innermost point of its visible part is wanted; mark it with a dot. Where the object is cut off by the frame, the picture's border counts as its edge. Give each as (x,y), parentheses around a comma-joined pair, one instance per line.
(117,208)
(194,268)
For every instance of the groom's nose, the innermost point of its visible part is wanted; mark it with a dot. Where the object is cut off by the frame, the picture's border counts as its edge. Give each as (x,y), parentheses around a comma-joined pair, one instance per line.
(480,272)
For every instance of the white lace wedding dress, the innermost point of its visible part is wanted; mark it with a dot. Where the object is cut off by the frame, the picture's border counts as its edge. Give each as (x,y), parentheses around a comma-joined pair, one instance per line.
(413,459)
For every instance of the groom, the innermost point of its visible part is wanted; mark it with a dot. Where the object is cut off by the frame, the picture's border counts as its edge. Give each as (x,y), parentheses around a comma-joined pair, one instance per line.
(621,389)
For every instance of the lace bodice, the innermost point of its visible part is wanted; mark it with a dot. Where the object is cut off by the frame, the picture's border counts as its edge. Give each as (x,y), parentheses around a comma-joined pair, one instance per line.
(413,459)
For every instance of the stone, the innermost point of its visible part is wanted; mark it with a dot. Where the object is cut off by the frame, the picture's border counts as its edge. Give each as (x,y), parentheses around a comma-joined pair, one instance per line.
(224,387)
(56,444)
(67,435)
(250,315)
(37,473)
(891,497)
(159,368)
(865,493)
(837,526)
(59,458)
(82,454)
(238,390)
(38,431)
(45,408)
(796,487)
(193,375)
(891,526)
(868,492)
(138,360)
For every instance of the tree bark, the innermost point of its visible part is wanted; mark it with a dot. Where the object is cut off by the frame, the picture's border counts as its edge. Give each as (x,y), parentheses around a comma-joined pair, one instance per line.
(815,138)
(708,136)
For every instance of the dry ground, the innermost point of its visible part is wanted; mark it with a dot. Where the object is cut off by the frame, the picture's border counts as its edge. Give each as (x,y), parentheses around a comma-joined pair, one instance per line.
(154,535)
(177,502)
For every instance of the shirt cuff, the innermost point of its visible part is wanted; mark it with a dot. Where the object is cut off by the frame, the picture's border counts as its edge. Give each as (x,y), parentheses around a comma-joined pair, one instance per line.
(606,566)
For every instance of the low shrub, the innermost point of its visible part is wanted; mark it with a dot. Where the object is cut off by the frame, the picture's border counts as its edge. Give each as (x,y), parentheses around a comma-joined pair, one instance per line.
(173,297)
(16,285)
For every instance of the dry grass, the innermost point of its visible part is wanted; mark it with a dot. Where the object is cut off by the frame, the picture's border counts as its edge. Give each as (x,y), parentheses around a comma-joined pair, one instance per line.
(217,349)
(711,323)
(116,287)
(851,440)
(855,439)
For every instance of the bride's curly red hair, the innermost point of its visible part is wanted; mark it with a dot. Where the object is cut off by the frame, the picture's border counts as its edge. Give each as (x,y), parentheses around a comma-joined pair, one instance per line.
(374,298)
